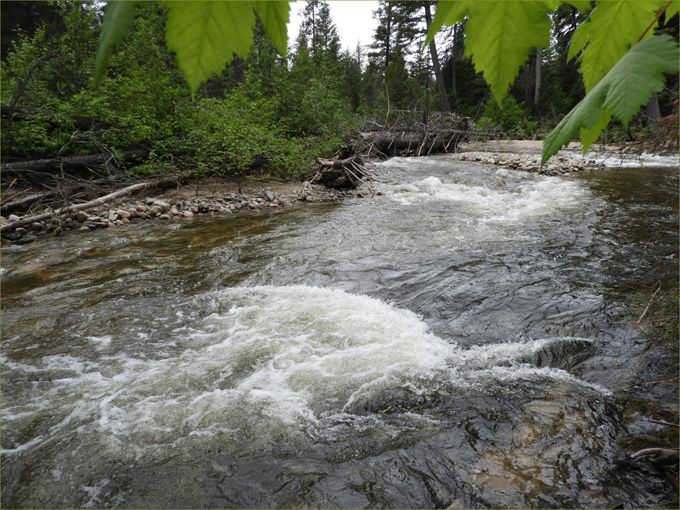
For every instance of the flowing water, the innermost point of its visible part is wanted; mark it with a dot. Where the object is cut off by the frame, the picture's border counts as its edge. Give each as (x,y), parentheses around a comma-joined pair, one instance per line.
(453,339)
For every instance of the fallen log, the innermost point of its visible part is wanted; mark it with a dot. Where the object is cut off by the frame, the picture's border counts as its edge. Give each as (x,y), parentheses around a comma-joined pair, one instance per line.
(74,163)
(24,202)
(413,143)
(87,205)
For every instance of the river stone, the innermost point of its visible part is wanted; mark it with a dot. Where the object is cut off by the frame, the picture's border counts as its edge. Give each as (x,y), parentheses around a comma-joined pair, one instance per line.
(163,205)
(113,217)
(13,217)
(174,211)
(25,240)
(81,216)
(165,217)
(156,209)
(149,201)
(188,214)
(269,195)
(123,214)
(141,208)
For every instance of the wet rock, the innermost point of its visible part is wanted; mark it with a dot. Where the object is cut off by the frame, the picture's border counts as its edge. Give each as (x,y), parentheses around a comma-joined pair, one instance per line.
(25,240)
(11,236)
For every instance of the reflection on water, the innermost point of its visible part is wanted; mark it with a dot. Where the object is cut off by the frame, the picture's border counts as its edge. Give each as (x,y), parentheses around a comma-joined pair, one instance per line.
(450,340)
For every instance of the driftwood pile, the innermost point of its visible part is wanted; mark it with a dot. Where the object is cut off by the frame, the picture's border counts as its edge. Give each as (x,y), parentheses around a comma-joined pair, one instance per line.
(406,136)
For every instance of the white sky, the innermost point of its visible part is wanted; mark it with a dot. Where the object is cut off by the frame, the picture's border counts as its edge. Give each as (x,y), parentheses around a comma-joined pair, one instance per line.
(353,19)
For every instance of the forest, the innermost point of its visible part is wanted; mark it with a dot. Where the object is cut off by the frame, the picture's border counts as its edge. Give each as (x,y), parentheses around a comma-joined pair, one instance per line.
(266,114)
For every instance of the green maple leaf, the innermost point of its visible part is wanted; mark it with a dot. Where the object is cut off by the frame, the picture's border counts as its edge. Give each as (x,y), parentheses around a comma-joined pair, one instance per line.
(499,35)
(274,16)
(118,16)
(624,89)
(608,33)
(205,36)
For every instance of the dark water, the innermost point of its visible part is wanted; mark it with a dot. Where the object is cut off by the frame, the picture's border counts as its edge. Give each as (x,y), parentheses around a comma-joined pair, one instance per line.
(454,339)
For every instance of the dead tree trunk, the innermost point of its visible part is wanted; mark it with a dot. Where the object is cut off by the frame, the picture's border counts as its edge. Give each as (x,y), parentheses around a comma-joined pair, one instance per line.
(76,163)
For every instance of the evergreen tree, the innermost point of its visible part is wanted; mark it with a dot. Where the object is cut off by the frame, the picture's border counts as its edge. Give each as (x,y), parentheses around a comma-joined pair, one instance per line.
(319,34)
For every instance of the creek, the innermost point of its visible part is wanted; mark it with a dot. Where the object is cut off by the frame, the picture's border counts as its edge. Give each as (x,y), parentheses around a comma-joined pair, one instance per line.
(455,338)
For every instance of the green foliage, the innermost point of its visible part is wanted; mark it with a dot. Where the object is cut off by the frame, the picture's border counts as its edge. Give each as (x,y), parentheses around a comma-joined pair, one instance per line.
(628,85)
(608,33)
(510,116)
(233,136)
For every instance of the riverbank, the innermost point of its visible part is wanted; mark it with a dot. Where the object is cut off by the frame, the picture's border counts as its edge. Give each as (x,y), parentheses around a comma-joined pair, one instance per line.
(223,196)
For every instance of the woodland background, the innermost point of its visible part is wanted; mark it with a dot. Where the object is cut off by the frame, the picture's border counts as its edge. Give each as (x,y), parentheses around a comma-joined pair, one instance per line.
(266,114)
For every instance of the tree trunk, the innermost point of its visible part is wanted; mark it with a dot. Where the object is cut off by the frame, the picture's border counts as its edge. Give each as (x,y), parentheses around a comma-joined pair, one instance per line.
(454,58)
(443,99)
(652,108)
(537,88)
(78,163)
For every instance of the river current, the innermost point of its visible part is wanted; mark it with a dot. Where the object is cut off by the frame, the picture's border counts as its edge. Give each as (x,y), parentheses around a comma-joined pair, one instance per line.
(455,337)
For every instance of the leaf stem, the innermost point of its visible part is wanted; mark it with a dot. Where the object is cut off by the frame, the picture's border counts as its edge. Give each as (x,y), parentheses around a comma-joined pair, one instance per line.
(655,20)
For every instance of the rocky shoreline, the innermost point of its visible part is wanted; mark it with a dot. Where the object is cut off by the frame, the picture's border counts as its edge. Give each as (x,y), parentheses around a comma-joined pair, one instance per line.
(208,198)
(557,166)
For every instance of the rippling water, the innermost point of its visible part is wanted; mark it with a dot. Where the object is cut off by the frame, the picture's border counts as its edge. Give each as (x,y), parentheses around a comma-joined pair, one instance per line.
(452,339)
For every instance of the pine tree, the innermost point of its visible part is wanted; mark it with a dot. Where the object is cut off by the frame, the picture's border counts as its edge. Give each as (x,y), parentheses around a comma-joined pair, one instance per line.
(319,34)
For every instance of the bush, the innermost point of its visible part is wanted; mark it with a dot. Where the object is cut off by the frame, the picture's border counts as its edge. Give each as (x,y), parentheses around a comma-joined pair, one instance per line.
(512,118)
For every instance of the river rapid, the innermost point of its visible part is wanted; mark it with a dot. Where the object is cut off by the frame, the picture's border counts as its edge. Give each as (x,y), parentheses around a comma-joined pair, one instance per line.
(455,337)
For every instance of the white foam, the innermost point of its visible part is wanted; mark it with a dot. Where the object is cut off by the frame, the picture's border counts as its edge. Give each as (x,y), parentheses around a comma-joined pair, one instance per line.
(526,201)
(263,361)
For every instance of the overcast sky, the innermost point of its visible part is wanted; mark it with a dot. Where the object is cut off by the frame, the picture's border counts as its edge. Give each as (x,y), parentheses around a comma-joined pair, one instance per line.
(353,19)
